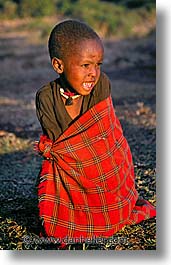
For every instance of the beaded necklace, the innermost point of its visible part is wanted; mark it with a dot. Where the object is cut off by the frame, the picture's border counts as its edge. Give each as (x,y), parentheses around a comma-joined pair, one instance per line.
(69,96)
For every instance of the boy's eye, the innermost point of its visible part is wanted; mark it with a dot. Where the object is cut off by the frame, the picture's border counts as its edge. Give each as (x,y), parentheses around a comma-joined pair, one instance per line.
(86,65)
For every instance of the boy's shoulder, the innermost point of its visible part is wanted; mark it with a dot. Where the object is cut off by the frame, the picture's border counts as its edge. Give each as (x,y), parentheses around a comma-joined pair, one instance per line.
(45,90)
(102,89)
(104,77)
(104,84)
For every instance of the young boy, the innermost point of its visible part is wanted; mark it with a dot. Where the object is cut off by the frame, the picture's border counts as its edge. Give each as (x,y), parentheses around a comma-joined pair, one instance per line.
(86,185)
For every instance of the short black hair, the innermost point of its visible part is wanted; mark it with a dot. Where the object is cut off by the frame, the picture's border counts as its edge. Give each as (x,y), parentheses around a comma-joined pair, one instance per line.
(66,35)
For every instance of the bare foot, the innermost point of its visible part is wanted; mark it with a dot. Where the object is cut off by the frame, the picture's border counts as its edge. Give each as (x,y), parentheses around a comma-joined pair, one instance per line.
(140,202)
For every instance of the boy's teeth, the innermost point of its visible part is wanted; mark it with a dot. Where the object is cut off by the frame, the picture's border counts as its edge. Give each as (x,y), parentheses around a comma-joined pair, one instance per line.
(87,84)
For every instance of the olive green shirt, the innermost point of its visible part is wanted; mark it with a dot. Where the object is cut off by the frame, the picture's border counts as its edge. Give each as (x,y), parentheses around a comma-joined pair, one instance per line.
(51,111)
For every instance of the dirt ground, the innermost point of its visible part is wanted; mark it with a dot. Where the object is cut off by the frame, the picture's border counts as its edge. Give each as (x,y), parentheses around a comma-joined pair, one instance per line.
(25,67)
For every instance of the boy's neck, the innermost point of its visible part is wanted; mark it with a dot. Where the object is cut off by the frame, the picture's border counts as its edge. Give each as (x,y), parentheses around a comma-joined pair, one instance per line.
(67,88)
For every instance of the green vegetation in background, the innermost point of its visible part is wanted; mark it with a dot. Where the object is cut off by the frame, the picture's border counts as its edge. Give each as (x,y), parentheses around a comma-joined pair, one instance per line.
(117,17)
(110,18)
(134,3)
(34,8)
(8,9)
(27,8)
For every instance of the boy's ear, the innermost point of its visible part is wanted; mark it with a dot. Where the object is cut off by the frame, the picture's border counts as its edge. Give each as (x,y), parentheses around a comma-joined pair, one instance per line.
(58,65)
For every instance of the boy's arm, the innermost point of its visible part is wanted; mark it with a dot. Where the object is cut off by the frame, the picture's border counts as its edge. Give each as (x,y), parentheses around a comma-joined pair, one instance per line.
(45,114)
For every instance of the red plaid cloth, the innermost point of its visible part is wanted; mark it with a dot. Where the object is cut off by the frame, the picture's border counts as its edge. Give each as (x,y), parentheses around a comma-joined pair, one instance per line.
(86,183)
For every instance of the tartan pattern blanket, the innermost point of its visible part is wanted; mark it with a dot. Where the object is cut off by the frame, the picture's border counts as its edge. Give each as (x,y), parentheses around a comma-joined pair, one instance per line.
(86,182)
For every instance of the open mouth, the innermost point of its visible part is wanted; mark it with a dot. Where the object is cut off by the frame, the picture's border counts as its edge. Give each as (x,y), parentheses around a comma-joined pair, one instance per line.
(88,85)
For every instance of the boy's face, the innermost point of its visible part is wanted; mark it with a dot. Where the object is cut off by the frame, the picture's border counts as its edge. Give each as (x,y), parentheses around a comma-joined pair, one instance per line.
(81,70)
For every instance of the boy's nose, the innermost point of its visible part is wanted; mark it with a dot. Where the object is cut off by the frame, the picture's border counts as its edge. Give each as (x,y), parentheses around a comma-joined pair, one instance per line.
(93,71)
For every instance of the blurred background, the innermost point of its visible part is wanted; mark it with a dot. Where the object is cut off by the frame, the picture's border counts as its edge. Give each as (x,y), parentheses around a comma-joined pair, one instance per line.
(128,30)
(111,18)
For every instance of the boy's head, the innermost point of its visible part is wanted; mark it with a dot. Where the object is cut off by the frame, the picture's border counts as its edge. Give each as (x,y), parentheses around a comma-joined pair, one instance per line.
(76,53)
(67,36)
